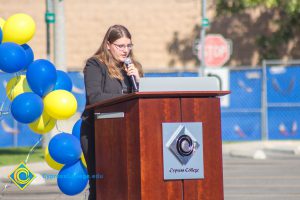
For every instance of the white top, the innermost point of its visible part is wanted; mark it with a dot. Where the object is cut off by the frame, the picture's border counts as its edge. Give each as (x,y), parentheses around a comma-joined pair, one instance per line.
(155,84)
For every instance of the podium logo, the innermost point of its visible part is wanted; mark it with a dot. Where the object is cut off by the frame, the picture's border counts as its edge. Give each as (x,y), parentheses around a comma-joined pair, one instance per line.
(22,176)
(182,144)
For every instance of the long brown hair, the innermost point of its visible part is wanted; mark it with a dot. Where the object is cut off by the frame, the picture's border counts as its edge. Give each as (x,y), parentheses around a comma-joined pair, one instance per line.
(114,33)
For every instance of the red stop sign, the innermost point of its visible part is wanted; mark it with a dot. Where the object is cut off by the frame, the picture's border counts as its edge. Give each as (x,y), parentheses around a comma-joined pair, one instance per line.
(217,50)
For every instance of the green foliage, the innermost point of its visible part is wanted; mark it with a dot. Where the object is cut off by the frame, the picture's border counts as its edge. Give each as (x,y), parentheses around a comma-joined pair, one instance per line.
(272,32)
(14,156)
(287,21)
(233,6)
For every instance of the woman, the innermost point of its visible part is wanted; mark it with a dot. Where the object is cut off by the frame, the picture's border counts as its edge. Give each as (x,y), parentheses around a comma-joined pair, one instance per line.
(106,76)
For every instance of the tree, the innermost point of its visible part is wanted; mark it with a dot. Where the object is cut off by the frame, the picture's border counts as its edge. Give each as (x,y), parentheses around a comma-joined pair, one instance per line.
(284,16)
(259,29)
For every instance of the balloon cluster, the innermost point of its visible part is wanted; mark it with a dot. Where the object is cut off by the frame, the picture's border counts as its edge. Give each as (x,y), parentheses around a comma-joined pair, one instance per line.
(40,95)
(64,153)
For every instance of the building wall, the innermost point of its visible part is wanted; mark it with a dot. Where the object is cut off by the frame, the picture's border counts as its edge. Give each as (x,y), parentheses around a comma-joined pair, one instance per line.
(164,32)
(152,23)
(36,10)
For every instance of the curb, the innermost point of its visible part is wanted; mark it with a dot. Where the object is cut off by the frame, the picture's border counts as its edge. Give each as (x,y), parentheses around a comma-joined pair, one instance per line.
(258,150)
(256,155)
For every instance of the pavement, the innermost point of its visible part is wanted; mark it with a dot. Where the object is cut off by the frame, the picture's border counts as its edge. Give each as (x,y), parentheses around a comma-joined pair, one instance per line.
(260,149)
(264,155)
(44,186)
(261,170)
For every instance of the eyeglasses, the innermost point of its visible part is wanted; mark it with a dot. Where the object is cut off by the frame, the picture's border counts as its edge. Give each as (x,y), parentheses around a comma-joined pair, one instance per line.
(122,47)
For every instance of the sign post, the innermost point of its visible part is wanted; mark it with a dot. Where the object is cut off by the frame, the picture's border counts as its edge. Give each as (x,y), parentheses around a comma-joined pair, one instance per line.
(204,25)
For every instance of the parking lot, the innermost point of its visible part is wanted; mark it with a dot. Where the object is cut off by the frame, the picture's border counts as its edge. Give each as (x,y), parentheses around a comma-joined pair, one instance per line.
(273,177)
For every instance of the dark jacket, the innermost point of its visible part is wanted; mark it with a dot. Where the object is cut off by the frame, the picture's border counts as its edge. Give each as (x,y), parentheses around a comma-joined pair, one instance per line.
(100,86)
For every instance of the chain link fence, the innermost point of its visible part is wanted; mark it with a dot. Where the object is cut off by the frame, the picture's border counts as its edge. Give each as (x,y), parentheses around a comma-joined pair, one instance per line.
(241,119)
(264,103)
(281,99)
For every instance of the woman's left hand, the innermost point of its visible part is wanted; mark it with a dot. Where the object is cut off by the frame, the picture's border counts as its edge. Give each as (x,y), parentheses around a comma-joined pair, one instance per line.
(132,70)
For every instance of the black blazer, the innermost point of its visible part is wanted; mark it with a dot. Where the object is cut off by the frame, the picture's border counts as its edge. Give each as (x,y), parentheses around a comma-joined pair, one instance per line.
(100,86)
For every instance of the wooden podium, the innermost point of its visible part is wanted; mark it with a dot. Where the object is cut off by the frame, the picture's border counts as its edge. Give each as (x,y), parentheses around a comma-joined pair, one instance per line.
(129,149)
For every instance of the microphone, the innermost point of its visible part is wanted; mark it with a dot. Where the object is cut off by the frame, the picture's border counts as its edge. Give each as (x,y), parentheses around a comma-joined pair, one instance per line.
(127,62)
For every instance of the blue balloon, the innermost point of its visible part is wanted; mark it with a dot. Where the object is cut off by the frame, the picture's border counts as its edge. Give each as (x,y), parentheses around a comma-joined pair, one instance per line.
(27,107)
(12,57)
(65,148)
(72,179)
(76,129)
(63,81)
(29,55)
(1,35)
(41,76)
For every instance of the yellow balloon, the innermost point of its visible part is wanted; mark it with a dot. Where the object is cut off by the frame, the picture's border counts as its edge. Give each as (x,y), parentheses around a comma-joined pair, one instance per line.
(17,85)
(2,21)
(18,28)
(60,104)
(43,124)
(83,160)
(52,163)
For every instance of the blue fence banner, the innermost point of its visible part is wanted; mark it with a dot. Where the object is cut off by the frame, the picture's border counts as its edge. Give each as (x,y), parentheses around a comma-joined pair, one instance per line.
(241,120)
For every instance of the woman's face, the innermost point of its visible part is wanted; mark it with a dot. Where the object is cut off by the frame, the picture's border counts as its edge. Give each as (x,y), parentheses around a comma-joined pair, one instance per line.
(120,48)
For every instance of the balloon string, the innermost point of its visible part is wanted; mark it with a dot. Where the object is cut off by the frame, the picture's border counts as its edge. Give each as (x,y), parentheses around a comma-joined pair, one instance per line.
(85,194)
(7,185)
(3,112)
(47,122)
(2,105)
(33,149)
(18,78)
(6,112)
(58,129)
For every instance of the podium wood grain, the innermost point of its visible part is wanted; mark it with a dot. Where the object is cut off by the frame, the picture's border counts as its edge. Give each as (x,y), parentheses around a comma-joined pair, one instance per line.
(207,111)
(129,151)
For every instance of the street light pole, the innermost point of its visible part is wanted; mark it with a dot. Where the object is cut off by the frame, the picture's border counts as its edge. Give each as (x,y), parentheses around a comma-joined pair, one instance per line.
(59,36)
(204,24)
(49,19)
(55,15)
